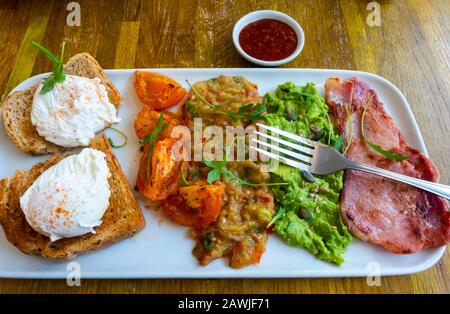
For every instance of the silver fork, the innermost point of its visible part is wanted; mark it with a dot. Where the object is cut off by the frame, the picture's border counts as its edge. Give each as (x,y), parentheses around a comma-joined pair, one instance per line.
(320,159)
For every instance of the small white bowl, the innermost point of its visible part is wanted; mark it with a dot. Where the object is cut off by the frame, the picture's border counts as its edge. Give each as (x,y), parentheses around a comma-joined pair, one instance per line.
(268,14)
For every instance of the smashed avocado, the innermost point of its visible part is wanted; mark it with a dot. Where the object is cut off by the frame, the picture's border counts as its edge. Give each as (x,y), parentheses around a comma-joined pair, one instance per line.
(308,208)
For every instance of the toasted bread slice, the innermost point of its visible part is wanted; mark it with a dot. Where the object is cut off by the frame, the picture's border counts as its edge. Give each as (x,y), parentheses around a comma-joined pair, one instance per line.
(83,64)
(123,218)
(16,108)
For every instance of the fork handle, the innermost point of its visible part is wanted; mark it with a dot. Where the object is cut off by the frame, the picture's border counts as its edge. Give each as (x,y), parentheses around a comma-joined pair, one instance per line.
(435,188)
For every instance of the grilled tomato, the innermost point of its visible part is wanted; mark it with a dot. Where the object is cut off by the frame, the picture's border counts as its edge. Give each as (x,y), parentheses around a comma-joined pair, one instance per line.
(196,205)
(147,119)
(158,174)
(157,91)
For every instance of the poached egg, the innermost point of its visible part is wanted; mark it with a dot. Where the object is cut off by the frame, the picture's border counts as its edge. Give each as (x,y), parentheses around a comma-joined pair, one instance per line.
(70,198)
(73,111)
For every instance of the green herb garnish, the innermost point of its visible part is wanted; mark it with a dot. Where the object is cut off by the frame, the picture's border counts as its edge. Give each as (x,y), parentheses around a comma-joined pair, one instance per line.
(122,134)
(338,144)
(280,213)
(229,175)
(183,180)
(219,168)
(330,130)
(248,111)
(349,125)
(385,153)
(58,72)
(151,139)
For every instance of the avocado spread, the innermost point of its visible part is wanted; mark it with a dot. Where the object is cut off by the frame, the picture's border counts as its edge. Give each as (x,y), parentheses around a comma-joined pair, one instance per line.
(308,208)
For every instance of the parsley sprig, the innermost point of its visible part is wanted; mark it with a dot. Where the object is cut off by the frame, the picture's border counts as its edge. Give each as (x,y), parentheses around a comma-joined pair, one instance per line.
(58,71)
(218,167)
(151,139)
(385,153)
(249,111)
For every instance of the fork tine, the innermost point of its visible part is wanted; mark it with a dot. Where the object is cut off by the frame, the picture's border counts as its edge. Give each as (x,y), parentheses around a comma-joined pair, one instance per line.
(300,157)
(300,139)
(303,149)
(284,160)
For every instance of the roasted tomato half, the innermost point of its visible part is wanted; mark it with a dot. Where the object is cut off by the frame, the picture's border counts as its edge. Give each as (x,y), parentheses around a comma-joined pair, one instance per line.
(158,91)
(161,179)
(196,205)
(147,119)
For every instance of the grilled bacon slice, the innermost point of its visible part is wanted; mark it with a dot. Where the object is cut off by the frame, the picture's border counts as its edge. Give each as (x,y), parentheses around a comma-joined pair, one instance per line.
(400,218)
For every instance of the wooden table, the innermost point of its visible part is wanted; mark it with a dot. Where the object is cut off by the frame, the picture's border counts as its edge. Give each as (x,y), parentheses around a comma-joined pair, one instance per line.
(410,48)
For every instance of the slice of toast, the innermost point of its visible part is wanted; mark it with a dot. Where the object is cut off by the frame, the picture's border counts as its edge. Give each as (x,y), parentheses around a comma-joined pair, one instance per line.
(16,108)
(123,218)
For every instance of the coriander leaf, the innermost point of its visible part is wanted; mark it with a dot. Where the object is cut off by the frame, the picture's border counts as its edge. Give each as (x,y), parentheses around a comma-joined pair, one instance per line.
(214,175)
(48,84)
(208,163)
(220,163)
(215,163)
(220,167)
(385,153)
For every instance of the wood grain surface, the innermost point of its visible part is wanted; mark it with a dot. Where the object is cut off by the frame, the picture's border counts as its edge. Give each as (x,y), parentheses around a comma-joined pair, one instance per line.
(411,48)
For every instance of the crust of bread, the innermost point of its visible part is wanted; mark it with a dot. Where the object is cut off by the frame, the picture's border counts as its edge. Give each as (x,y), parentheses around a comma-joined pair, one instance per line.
(123,218)
(83,64)
(16,107)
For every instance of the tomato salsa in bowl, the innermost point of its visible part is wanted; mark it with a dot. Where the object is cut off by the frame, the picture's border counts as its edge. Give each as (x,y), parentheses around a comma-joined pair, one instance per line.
(268,38)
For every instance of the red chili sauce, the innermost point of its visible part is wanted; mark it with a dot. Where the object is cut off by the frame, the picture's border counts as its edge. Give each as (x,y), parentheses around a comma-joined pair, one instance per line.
(268,40)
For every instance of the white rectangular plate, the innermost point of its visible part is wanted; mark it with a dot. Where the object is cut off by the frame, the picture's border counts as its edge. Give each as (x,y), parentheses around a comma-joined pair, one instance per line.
(163,249)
